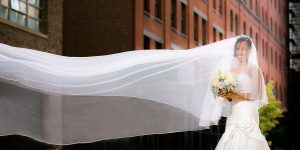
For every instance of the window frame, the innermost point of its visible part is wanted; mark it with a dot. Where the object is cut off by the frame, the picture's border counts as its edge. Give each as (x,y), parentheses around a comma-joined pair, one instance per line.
(39,18)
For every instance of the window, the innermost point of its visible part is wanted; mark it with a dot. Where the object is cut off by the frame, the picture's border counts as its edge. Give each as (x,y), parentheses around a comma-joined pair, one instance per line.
(220,7)
(251,4)
(146,42)
(221,36)
(256,40)
(231,21)
(27,13)
(196,27)
(214,34)
(280,63)
(203,31)
(236,24)
(271,55)
(158,9)
(158,45)
(275,59)
(266,49)
(263,47)
(275,28)
(251,32)
(271,24)
(244,27)
(256,7)
(146,6)
(279,5)
(266,17)
(174,13)
(214,4)
(183,18)
(262,14)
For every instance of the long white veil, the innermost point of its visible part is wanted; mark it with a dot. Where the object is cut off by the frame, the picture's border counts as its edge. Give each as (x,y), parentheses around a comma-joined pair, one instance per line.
(66,100)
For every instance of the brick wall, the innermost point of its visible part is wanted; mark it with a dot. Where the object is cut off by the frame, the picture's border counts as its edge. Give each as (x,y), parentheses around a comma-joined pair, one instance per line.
(50,41)
(98,27)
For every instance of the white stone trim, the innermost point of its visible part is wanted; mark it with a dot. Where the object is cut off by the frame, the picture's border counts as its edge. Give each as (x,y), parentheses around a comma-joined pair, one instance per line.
(218,28)
(184,1)
(153,36)
(200,13)
(176,47)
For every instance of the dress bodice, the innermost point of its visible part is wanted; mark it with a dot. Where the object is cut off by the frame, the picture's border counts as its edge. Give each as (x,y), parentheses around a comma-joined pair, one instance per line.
(245,84)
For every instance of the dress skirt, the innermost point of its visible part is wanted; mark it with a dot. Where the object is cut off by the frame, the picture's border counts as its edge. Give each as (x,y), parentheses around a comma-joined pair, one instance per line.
(242,130)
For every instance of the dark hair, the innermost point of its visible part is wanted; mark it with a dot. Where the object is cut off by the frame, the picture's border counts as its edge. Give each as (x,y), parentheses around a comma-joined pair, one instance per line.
(240,40)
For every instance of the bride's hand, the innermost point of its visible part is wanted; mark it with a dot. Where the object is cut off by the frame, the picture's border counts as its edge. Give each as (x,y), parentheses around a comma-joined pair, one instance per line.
(232,95)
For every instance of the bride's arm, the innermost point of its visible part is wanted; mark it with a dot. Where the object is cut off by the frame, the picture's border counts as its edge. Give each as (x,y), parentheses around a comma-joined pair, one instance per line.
(239,96)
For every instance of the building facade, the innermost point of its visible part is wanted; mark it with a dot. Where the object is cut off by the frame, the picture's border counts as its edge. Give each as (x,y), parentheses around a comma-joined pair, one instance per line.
(100,28)
(184,24)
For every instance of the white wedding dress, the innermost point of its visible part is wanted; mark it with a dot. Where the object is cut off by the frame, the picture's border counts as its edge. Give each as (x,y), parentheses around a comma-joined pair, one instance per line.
(242,130)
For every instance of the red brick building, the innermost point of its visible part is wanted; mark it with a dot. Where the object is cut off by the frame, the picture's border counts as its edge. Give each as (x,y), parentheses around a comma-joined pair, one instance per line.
(105,27)
(183,24)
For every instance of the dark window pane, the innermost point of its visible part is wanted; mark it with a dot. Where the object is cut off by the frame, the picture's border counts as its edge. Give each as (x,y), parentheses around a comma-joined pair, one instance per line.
(236,24)
(220,7)
(196,27)
(146,42)
(158,45)
(183,18)
(31,23)
(158,9)
(231,21)
(22,19)
(174,13)
(214,4)
(204,31)
(146,6)
(214,34)
(13,16)
(3,12)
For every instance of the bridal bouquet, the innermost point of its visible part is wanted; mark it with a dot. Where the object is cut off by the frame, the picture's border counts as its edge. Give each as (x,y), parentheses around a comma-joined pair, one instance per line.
(224,83)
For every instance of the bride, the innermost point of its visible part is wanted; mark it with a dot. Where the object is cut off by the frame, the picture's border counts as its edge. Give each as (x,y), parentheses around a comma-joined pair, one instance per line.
(242,126)
(67,100)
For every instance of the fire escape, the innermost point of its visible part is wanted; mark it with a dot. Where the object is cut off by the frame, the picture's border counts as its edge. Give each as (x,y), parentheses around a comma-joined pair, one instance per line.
(294,35)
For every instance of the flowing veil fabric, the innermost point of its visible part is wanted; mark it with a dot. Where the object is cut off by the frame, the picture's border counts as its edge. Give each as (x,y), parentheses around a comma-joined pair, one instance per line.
(66,100)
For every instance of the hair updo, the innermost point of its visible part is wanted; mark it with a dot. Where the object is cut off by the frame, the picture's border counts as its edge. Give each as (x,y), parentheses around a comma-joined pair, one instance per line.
(241,39)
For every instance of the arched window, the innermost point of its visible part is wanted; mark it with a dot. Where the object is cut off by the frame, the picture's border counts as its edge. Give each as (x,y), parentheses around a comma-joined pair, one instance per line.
(236,24)
(244,27)
(231,21)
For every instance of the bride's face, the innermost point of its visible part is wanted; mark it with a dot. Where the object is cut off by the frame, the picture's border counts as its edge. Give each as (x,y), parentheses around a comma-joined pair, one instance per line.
(243,47)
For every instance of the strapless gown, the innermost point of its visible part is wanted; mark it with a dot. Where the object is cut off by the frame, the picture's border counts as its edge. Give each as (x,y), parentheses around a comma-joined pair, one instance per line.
(242,130)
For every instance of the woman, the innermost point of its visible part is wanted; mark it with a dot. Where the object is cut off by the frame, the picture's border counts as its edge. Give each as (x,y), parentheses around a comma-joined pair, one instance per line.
(242,126)
(66,100)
